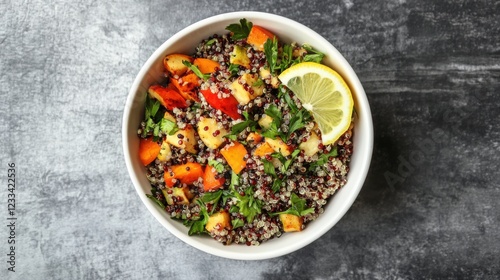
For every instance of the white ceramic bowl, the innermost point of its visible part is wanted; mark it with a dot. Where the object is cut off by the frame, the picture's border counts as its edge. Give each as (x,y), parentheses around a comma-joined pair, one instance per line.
(288,31)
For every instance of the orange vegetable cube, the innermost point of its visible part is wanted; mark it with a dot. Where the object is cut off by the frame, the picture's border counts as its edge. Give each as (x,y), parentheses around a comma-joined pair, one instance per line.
(263,150)
(167,97)
(206,65)
(186,86)
(258,37)
(210,181)
(234,154)
(148,150)
(218,220)
(184,173)
(291,222)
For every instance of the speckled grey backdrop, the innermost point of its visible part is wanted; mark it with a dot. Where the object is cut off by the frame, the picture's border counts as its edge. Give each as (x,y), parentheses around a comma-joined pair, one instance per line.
(429,208)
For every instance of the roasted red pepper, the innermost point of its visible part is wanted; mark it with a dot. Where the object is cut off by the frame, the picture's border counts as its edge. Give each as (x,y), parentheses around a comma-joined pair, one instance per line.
(227,105)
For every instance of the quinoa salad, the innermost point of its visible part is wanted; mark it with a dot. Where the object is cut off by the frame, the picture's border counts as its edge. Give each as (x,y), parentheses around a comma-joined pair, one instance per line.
(229,150)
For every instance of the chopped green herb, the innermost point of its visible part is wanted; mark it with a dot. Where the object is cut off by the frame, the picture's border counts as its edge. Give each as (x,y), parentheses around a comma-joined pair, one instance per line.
(233,69)
(247,205)
(269,168)
(240,31)
(276,185)
(210,42)
(217,165)
(323,158)
(298,207)
(236,223)
(168,126)
(239,127)
(271,52)
(312,54)
(198,226)
(195,70)
(258,83)
(156,200)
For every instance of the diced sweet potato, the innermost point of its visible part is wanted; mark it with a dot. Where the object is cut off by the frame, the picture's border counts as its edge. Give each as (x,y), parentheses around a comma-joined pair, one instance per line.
(263,150)
(234,154)
(258,37)
(167,97)
(174,65)
(206,65)
(227,105)
(254,138)
(184,173)
(212,180)
(186,86)
(219,220)
(148,150)
(291,222)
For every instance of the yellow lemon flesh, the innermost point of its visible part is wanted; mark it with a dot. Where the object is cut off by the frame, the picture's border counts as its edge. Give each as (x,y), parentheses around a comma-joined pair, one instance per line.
(324,93)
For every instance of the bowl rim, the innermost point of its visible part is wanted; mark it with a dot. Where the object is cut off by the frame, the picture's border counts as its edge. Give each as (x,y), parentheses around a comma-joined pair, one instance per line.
(361,99)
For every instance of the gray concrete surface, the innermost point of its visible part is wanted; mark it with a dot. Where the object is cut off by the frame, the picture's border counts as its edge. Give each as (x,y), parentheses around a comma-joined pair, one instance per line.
(429,207)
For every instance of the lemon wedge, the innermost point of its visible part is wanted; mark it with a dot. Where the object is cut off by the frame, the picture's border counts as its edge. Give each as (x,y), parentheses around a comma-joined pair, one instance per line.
(325,94)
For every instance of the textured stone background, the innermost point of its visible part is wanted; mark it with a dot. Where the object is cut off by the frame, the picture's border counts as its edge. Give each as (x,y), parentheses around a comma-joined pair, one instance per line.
(429,208)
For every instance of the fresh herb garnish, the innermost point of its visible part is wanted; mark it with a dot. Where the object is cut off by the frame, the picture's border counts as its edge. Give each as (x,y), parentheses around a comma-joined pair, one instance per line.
(195,70)
(156,200)
(239,127)
(198,226)
(155,122)
(298,207)
(236,223)
(217,165)
(298,121)
(269,168)
(210,42)
(247,205)
(271,52)
(240,31)
(233,69)
(323,158)
(312,54)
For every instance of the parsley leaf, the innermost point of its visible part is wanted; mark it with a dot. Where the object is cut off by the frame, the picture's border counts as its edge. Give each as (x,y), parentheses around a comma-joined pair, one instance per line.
(155,122)
(168,126)
(297,121)
(274,128)
(276,185)
(312,54)
(271,52)
(323,158)
(240,31)
(239,127)
(195,70)
(269,168)
(156,200)
(291,104)
(233,69)
(198,226)
(217,165)
(236,223)
(247,205)
(298,207)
